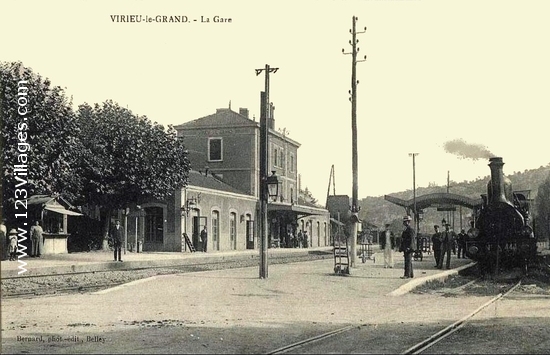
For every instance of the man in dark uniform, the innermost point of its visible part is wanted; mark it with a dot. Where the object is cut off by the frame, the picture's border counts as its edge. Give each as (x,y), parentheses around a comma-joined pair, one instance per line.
(461,241)
(204,239)
(448,238)
(117,236)
(408,246)
(436,245)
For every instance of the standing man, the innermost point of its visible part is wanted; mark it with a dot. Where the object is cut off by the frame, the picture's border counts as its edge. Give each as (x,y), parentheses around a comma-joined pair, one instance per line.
(387,243)
(447,240)
(436,245)
(204,238)
(36,239)
(117,236)
(408,246)
(4,239)
(461,241)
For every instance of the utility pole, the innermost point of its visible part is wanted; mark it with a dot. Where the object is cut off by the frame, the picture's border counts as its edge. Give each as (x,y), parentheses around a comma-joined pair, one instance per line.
(353,92)
(449,212)
(415,213)
(264,170)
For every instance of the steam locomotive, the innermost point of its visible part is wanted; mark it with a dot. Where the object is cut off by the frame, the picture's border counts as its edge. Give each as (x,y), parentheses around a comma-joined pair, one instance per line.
(500,236)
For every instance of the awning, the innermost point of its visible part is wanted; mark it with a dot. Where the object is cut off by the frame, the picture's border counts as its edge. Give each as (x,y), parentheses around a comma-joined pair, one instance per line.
(297,209)
(62,210)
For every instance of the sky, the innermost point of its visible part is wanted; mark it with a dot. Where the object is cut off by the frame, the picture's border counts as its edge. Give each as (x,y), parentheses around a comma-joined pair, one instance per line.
(439,76)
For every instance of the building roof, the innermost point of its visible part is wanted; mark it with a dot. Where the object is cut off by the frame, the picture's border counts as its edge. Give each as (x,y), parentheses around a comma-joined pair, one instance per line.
(53,203)
(223,117)
(209,181)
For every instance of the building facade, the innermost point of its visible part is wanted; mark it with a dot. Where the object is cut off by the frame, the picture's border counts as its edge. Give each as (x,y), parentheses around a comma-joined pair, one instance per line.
(225,146)
(223,193)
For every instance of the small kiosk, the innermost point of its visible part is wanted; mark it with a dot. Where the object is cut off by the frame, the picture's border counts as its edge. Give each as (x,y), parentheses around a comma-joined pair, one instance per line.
(52,212)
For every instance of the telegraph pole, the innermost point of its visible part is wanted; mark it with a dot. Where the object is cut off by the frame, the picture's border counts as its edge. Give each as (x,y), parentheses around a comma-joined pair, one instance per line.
(415,213)
(264,170)
(353,92)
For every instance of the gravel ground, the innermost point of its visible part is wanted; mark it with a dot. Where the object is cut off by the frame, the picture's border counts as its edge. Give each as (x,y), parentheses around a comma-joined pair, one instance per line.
(57,284)
(536,282)
(242,314)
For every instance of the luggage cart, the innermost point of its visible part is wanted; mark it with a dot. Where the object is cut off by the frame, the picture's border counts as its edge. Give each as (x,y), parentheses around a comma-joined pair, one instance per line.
(423,246)
(366,252)
(341,258)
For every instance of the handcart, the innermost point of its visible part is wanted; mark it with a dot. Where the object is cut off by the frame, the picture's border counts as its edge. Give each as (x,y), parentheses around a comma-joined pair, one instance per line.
(366,252)
(423,246)
(341,258)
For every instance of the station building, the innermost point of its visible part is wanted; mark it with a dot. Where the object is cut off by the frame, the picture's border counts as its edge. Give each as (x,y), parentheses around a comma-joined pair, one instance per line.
(223,192)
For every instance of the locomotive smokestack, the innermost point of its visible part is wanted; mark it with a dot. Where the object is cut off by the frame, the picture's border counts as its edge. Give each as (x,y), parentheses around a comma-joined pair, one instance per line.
(499,187)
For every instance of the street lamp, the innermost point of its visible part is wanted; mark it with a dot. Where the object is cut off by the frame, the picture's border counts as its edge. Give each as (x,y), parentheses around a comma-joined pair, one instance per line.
(273,186)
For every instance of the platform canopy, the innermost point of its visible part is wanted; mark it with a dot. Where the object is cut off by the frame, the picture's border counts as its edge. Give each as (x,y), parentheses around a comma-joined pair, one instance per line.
(440,200)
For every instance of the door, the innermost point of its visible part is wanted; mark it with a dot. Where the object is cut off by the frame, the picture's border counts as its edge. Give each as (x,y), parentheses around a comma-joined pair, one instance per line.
(197,225)
(154,228)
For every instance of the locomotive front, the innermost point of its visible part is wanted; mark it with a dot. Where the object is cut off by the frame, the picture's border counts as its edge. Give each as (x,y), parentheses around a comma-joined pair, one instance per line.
(501,236)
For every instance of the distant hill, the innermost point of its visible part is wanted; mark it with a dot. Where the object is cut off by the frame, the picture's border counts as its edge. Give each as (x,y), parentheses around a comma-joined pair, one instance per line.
(378,211)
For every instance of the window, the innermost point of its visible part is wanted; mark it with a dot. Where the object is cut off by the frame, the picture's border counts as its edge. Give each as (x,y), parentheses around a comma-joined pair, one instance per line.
(325,233)
(215,149)
(275,155)
(216,230)
(282,159)
(233,230)
(318,234)
(291,163)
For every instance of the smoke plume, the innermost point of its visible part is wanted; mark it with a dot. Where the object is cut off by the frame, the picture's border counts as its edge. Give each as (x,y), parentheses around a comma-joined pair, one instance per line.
(467,151)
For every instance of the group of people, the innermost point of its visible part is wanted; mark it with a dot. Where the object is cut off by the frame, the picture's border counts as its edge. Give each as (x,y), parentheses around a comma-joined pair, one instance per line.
(407,246)
(447,242)
(443,244)
(10,244)
(292,240)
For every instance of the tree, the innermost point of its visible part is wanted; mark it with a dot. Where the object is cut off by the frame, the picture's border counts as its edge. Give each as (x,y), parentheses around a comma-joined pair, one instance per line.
(542,205)
(128,159)
(307,197)
(39,137)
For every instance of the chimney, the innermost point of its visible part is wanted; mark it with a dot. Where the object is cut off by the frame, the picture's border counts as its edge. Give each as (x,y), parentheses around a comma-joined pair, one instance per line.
(243,112)
(499,187)
(271,116)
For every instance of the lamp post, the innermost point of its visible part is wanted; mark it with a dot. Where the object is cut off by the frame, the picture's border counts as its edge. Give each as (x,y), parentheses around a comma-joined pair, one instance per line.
(126,211)
(264,143)
(136,235)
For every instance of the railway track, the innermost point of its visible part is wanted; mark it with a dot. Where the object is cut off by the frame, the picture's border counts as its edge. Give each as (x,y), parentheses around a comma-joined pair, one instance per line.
(73,282)
(301,346)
